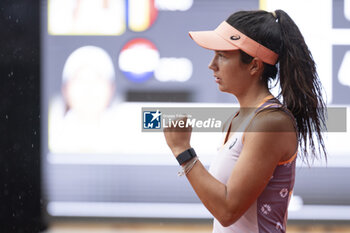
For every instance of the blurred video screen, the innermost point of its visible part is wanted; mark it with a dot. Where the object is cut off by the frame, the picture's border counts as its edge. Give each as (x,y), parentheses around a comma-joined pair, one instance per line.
(103,60)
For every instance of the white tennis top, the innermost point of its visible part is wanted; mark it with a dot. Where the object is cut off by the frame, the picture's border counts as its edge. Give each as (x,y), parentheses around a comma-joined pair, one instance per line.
(268,214)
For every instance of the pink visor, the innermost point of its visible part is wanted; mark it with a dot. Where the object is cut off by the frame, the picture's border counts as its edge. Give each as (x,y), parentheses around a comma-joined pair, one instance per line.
(225,37)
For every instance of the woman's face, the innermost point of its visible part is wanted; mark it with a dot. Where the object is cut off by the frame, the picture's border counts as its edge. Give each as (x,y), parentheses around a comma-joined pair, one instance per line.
(230,72)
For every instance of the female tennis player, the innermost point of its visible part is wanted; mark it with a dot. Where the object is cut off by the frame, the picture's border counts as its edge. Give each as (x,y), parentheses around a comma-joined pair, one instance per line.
(250,182)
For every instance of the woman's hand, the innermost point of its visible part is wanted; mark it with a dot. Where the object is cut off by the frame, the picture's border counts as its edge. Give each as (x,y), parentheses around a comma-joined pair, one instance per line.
(178,136)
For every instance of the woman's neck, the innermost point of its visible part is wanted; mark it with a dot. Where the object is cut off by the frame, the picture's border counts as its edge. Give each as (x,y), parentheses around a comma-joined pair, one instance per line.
(251,99)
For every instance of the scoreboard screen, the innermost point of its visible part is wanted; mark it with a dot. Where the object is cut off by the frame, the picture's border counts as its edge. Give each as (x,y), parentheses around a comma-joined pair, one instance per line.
(103,61)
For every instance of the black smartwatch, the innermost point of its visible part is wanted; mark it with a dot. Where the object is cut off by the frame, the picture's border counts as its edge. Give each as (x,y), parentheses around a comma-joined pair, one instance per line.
(185,156)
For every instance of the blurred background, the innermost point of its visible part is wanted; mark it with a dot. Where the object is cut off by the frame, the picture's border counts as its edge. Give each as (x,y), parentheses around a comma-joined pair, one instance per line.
(75,75)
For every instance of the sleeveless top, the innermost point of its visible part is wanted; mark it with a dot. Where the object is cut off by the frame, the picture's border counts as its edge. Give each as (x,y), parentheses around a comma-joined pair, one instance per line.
(268,214)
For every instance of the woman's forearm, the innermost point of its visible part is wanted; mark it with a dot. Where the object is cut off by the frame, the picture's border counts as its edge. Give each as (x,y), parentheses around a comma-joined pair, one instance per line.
(213,195)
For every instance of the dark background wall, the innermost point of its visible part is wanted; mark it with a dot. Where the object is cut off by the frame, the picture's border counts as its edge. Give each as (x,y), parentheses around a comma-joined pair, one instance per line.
(20,185)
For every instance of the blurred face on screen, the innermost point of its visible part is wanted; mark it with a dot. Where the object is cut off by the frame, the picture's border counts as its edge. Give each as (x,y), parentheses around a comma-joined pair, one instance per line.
(88,93)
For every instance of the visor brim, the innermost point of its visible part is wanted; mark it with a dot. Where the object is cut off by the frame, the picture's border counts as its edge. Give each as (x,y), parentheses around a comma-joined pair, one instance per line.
(211,40)
(226,37)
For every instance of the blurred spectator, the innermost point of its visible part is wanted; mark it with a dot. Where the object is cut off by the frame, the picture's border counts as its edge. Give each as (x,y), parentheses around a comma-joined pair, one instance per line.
(83,121)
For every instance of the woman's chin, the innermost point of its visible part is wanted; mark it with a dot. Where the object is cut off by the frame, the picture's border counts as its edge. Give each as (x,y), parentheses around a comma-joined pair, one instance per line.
(221,88)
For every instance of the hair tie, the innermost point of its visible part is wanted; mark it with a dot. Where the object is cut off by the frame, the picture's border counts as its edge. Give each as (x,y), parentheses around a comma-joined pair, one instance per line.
(274,14)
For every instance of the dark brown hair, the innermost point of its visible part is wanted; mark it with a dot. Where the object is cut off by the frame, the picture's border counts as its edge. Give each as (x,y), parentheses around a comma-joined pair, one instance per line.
(301,90)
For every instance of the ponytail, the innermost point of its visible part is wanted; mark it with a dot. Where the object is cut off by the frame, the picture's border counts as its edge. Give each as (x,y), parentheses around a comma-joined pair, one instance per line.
(300,86)
(301,90)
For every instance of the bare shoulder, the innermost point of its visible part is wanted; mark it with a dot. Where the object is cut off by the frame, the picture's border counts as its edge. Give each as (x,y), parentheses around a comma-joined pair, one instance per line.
(274,131)
(272,120)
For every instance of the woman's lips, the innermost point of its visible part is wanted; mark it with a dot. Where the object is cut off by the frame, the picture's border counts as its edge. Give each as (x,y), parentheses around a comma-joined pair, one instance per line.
(217,80)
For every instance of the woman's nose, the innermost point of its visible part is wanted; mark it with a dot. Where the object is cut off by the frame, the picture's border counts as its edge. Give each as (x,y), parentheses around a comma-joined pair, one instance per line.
(212,65)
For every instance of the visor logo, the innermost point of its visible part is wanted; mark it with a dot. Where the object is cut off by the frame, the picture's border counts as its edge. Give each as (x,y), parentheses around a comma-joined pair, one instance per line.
(235,37)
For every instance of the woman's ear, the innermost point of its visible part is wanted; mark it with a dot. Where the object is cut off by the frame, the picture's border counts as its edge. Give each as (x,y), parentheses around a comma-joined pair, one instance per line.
(256,67)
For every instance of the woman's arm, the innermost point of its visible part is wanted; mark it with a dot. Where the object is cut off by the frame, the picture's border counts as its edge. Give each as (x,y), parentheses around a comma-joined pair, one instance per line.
(269,140)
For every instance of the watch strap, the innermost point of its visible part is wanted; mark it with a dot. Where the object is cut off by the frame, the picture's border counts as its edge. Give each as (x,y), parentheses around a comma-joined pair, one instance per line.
(186,156)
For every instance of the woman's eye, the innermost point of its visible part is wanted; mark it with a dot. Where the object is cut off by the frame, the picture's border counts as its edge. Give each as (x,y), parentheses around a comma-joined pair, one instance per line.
(219,54)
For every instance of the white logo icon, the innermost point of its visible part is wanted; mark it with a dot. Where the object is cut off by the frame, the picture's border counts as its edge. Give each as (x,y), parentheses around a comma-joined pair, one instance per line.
(266,209)
(279,226)
(284,192)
